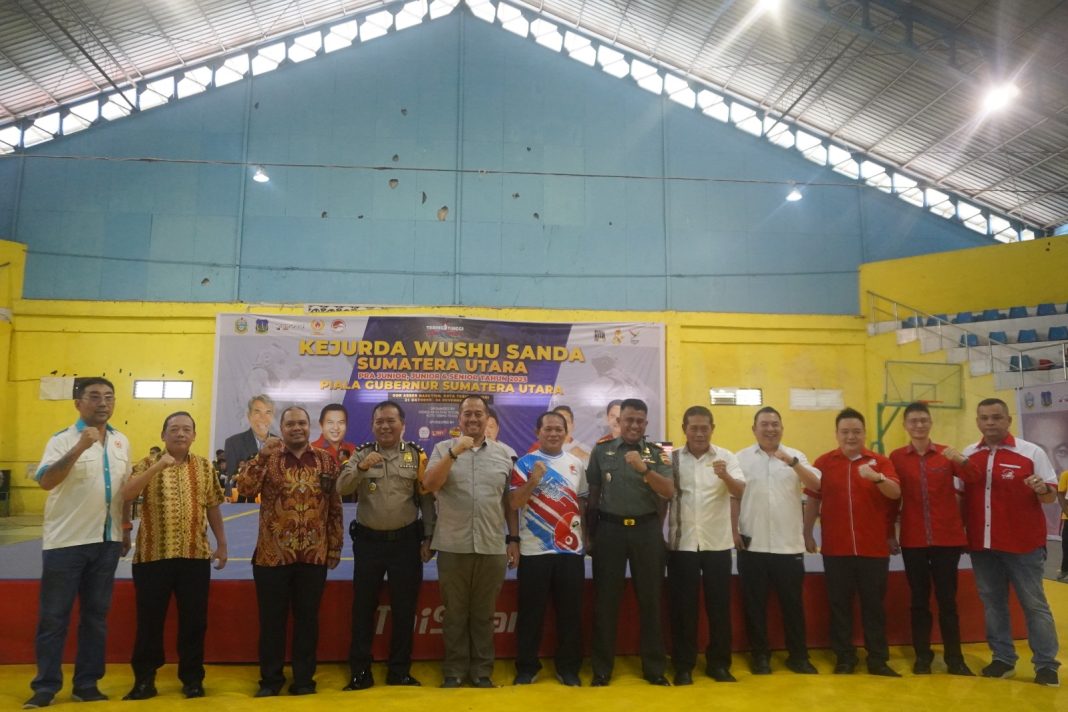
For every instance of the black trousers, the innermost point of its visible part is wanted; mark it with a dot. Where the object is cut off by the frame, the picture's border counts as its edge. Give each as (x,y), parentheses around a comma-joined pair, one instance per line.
(560,576)
(374,559)
(863,577)
(937,564)
(643,547)
(279,589)
(155,582)
(785,573)
(687,572)
(1064,545)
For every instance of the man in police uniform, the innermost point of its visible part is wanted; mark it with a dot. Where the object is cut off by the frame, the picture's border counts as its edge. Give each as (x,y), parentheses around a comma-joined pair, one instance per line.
(629,480)
(388,538)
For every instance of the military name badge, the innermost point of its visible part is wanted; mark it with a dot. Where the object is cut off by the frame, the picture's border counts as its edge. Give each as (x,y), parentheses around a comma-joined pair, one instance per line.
(372,487)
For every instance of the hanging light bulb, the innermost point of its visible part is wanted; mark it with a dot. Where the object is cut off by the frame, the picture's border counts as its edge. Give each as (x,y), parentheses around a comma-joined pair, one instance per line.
(260,175)
(794,195)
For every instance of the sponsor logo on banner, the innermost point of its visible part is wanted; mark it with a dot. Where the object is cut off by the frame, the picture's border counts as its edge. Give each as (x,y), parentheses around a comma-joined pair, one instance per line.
(1047,399)
(338,325)
(241,326)
(1029,400)
(262,326)
(424,433)
(432,328)
(289,326)
(598,335)
(317,326)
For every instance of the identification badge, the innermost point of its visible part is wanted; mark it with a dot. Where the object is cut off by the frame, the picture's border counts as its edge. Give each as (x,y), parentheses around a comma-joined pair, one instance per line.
(407,456)
(372,487)
(608,477)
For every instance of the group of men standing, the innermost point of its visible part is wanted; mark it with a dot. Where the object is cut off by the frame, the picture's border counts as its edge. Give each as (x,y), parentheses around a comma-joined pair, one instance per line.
(482,511)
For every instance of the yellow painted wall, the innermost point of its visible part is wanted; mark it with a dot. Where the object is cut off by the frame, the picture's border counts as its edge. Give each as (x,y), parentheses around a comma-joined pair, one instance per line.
(995,277)
(129,341)
(134,340)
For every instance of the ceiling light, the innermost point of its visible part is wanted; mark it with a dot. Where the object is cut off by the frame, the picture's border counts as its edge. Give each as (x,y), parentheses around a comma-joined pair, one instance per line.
(768,5)
(260,176)
(794,195)
(999,97)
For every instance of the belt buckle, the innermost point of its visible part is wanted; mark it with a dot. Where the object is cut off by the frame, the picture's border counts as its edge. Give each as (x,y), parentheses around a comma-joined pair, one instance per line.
(628,522)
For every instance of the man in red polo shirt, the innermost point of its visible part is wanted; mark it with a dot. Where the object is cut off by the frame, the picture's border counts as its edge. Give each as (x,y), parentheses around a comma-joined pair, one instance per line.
(1004,489)
(931,537)
(857,503)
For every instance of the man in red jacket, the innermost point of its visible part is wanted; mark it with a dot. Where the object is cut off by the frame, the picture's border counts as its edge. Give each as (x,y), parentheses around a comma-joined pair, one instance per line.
(857,504)
(931,536)
(1004,489)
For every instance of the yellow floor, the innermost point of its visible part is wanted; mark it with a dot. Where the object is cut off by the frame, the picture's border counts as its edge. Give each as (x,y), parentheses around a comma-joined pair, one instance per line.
(232,686)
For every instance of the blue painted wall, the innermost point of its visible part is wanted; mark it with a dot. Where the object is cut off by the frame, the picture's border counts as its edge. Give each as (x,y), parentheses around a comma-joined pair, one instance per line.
(552,174)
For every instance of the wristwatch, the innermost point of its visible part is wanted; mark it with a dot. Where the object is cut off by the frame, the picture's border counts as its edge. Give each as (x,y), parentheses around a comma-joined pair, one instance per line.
(793,463)
(511,539)
(882,479)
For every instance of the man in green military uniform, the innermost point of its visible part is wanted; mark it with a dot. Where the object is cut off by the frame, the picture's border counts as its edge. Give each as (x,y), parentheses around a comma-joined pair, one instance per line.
(389,539)
(629,481)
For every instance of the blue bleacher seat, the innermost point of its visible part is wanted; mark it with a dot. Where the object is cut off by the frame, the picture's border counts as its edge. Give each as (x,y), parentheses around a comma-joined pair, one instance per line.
(963,318)
(1045,310)
(1014,363)
(1058,333)
(1027,336)
(999,337)
(910,323)
(1018,312)
(991,315)
(969,340)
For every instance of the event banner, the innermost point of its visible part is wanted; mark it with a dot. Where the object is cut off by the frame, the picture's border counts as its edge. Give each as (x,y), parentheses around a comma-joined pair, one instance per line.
(429,365)
(1044,421)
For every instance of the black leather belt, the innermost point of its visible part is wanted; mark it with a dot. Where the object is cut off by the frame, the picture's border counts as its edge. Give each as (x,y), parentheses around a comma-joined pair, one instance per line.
(358,531)
(627,521)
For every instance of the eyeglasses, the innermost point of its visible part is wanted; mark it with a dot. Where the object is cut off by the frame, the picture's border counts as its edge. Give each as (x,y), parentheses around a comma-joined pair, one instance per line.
(97,398)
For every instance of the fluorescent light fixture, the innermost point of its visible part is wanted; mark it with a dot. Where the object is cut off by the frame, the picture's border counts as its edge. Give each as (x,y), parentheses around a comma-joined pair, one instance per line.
(768,5)
(1000,96)
(260,175)
(794,195)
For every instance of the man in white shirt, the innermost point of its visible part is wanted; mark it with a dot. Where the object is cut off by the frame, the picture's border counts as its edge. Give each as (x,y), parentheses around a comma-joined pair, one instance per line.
(83,469)
(708,484)
(772,548)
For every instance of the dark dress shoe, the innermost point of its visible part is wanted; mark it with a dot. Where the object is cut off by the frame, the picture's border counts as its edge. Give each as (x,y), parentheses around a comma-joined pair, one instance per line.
(761,665)
(88,694)
(922,666)
(959,667)
(845,667)
(452,683)
(193,690)
(657,680)
(720,674)
(569,678)
(882,670)
(360,681)
(142,690)
(683,677)
(307,688)
(266,691)
(483,682)
(402,681)
(600,681)
(523,678)
(801,667)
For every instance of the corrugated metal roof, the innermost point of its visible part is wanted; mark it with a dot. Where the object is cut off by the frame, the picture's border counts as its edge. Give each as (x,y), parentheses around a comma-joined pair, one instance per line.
(844,68)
